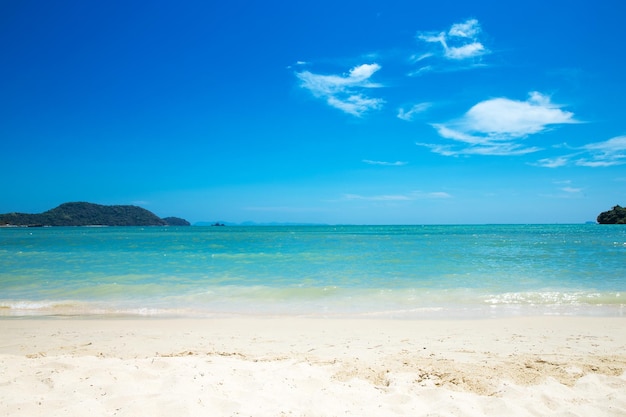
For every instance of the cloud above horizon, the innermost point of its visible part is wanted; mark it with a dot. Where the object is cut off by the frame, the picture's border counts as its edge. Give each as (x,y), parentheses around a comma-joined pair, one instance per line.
(385,163)
(410,113)
(458,44)
(414,195)
(608,153)
(603,154)
(496,126)
(345,92)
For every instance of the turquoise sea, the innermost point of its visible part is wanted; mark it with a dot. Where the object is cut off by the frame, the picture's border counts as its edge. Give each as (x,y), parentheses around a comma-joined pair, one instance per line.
(475,271)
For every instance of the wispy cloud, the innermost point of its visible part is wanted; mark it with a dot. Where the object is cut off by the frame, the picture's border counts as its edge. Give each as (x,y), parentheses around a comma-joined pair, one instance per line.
(491,149)
(496,126)
(604,154)
(390,197)
(345,92)
(571,190)
(414,195)
(298,64)
(556,162)
(460,44)
(594,155)
(410,113)
(384,163)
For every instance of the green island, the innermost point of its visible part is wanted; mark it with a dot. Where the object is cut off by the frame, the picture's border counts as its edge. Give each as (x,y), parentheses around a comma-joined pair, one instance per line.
(617,215)
(89,214)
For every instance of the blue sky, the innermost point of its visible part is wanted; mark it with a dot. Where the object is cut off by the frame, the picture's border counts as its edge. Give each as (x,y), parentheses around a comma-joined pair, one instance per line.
(359,112)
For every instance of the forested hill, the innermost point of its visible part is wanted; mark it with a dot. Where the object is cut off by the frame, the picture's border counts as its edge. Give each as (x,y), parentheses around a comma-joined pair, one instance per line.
(617,215)
(89,214)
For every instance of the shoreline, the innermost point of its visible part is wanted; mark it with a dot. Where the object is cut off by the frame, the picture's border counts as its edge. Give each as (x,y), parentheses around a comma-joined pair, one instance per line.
(440,313)
(265,366)
(329,302)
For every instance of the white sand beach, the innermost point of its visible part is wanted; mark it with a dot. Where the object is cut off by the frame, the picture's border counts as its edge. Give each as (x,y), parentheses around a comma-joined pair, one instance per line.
(556,366)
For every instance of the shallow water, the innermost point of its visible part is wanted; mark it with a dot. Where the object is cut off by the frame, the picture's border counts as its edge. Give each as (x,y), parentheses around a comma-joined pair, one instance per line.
(358,271)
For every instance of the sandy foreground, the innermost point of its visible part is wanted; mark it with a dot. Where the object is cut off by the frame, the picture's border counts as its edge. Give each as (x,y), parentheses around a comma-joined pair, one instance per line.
(313,367)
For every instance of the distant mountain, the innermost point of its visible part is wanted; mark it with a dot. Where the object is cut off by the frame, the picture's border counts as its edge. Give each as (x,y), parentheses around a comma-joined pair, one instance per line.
(617,215)
(176,221)
(89,214)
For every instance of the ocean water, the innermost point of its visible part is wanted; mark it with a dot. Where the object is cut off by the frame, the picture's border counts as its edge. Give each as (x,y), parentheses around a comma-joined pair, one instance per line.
(475,271)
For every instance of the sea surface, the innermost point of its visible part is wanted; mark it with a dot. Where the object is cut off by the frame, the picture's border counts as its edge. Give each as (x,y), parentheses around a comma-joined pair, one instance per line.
(475,271)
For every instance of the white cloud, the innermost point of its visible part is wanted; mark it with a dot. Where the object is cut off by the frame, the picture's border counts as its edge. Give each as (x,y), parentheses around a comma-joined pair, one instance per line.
(494,126)
(458,135)
(432,37)
(505,119)
(617,144)
(445,150)
(344,92)
(604,154)
(414,195)
(321,85)
(378,197)
(571,190)
(421,57)
(468,29)
(298,64)
(501,149)
(553,162)
(493,149)
(608,153)
(465,51)
(384,163)
(422,70)
(409,114)
(597,164)
(355,105)
(461,42)
(363,72)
